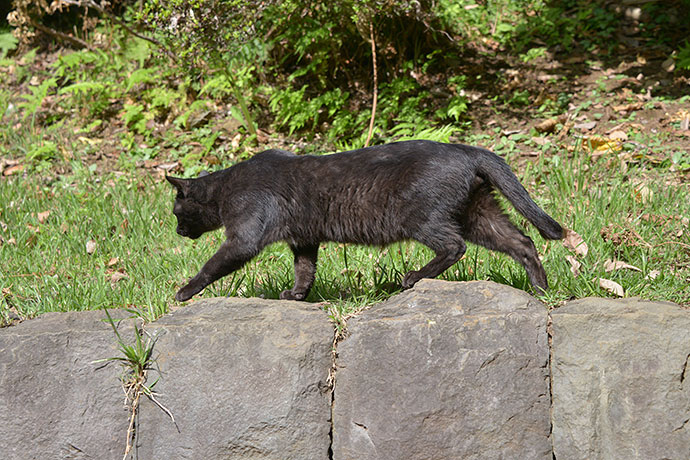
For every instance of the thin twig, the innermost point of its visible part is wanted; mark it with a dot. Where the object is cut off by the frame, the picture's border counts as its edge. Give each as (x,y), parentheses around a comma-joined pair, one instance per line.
(97,7)
(373,106)
(60,35)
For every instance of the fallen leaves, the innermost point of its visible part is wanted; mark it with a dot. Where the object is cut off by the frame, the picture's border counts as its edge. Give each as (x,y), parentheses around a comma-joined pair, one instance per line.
(574,242)
(611,265)
(574,265)
(619,235)
(586,126)
(611,286)
(43,216)
(113,261)
(91,246)
(628,107)
(11,167)
(549,125)
(117,275)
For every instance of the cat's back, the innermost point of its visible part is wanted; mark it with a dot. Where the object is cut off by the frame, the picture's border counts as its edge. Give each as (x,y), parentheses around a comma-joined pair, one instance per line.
(399,162)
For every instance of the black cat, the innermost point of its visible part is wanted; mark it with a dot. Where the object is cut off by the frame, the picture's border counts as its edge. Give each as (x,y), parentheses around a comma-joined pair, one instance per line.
(438,194)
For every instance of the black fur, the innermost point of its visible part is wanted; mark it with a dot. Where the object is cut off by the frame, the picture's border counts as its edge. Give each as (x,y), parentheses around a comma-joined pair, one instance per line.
(437,194)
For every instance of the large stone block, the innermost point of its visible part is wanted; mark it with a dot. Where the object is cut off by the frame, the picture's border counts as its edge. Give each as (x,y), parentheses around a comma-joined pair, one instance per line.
(55,403)
(445,371)
(621,386)
(244,379)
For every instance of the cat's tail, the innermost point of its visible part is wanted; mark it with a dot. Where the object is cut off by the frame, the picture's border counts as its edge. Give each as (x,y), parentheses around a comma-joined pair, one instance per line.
(494,169)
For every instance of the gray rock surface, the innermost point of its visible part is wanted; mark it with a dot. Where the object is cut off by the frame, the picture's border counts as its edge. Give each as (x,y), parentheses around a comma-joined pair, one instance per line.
(55,403)
(445,371)
(621,380)
(244,379)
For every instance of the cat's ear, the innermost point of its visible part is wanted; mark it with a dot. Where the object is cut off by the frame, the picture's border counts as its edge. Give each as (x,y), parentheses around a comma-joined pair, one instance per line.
(204,173)
(182,185)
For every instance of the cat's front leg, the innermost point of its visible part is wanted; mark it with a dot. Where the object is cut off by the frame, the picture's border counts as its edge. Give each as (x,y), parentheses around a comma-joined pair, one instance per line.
(229,257)
(305,271)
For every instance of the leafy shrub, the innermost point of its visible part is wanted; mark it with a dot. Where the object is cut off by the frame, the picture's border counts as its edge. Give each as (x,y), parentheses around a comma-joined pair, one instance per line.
(295,111)
(683,58)
(7,43)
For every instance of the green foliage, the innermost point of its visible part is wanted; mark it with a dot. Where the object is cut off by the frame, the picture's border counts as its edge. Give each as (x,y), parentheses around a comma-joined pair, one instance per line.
(457,105)
(295,111)
(533,53)
(141,77)
(7,43)
(4,102)
(683,58)
(94,97)
(33,101)
(163,99)
(137,358)
(81,65)
(135,118)
(44,151)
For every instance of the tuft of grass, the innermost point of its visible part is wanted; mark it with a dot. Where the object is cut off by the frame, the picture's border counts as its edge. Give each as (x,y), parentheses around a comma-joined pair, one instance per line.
(137,360)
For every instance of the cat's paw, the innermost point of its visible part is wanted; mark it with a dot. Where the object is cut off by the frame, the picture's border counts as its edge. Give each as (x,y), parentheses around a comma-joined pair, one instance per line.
(410,279)
(288,295)
(186,293)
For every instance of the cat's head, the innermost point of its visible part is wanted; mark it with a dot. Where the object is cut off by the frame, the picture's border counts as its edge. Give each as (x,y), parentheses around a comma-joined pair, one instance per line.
(195,214)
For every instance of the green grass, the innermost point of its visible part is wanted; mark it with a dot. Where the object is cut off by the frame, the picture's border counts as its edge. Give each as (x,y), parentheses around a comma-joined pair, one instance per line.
(138,261)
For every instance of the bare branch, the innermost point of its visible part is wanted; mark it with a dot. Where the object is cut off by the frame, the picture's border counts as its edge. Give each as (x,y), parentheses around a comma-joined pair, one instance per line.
(60,35)
(112,17)
(373,107)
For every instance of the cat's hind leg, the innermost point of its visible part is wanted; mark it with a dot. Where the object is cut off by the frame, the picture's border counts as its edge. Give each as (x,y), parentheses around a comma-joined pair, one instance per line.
(449,248)
(305,272)
(484,223)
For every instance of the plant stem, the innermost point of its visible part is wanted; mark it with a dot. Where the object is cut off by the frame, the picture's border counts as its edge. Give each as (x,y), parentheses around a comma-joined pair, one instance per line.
(248,120)
(373,106)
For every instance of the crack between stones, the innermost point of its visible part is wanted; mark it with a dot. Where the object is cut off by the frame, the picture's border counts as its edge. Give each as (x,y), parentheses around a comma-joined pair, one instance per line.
(338,335)
(682,372)
(549,338)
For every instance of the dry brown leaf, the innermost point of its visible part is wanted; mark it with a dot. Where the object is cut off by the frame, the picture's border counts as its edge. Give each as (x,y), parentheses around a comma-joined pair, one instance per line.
(113,261)
(546,126)
(618,135)
(118,276)
(43,216)
(628,107)
(643,194)
(235,142)
(574,265)
(652,275)
(611,286)
(575,243)
(90,247)
(611,265)
(586,126)
(13,170)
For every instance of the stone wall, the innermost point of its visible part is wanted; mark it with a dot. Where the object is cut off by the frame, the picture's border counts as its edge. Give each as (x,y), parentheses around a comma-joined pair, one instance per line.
(444,371)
